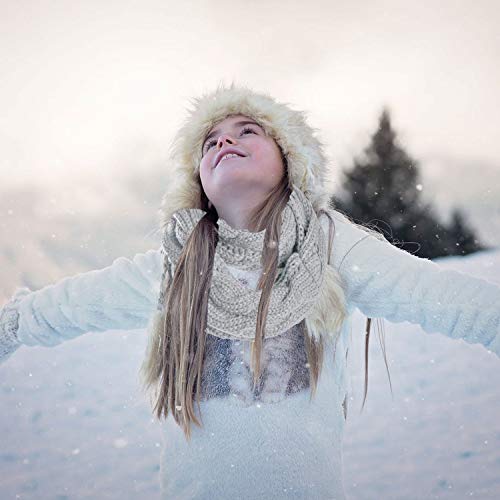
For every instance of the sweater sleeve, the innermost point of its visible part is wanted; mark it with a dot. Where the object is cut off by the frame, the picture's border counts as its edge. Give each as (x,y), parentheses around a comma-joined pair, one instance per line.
(384,281)
(120,296)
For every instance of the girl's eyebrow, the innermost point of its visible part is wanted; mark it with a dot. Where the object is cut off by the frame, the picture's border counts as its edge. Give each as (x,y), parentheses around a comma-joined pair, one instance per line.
(237,124)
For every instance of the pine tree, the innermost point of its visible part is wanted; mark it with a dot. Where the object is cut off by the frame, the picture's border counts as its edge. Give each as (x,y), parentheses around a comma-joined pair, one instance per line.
(466,241)
(383,190)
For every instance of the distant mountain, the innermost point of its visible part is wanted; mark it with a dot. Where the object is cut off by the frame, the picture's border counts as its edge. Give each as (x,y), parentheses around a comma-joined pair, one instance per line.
(44,239)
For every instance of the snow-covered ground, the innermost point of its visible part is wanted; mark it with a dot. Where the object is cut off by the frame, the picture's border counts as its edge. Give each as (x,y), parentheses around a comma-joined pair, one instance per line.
(74,424)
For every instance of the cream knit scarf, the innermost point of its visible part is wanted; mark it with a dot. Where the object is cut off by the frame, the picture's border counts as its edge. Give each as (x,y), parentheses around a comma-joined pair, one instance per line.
(301,288)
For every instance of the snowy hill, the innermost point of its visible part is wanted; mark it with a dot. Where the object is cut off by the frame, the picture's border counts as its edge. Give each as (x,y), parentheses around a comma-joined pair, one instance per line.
(74,424)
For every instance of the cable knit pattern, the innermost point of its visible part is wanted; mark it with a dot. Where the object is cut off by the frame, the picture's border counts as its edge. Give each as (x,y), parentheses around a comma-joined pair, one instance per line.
(232,308)
(380,279)
(383,281)
(9,324)
(122,295)
(299,437)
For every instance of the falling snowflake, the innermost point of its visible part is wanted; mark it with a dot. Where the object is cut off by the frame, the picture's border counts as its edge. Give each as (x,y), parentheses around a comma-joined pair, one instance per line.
(120,443)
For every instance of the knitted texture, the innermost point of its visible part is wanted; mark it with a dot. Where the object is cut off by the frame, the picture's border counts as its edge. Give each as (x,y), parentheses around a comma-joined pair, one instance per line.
(302,257)
(9,324)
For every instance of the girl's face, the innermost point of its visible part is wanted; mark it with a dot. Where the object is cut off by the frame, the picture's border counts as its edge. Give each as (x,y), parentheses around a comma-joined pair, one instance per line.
(251,175)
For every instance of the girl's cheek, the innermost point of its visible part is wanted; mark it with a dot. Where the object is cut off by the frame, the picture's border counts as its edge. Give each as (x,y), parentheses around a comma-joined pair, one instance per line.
(206,161)
(203,164)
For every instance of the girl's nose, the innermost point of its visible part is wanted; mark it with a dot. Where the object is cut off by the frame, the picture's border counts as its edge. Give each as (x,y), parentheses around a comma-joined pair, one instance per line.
(225,139)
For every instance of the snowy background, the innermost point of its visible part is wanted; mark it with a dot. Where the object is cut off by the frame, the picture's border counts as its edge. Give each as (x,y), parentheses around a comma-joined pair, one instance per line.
(91,94)
(74,424)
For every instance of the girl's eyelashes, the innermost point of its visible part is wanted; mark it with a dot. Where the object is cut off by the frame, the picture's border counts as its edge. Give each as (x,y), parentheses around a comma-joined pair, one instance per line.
(247,129)
(213,142)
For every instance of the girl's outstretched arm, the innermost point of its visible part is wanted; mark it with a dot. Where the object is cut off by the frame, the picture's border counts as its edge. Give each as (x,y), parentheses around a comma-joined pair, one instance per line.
(120,296)
(383,281)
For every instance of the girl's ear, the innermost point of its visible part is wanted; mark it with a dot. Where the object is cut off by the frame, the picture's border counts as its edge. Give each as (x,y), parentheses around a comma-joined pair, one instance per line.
(209,204)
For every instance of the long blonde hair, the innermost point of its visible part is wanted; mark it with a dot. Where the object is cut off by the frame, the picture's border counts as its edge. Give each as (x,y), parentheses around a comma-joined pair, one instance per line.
(175,356)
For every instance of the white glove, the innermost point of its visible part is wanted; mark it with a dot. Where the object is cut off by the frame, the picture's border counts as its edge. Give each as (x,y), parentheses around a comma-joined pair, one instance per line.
(9,323)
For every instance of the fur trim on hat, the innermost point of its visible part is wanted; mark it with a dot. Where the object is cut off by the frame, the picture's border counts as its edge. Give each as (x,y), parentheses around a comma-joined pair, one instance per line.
(303,151)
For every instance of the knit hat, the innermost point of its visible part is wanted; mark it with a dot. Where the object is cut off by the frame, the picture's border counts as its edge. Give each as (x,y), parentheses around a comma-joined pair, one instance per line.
(303,151)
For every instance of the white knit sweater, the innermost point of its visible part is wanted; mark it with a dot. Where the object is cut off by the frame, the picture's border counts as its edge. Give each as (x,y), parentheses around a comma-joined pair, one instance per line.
(272,443)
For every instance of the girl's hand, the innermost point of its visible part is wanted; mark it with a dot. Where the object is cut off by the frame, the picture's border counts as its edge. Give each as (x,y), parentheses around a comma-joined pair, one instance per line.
(9,324)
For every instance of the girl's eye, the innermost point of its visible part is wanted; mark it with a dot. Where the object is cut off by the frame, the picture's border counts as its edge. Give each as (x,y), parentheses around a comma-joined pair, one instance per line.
(247,129)
(213,142)
(209,144)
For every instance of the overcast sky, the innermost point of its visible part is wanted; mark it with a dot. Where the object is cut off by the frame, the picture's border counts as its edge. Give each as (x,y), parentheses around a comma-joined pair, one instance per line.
(87,87)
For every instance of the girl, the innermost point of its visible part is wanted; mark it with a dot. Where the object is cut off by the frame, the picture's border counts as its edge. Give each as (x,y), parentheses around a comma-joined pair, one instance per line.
(248,304)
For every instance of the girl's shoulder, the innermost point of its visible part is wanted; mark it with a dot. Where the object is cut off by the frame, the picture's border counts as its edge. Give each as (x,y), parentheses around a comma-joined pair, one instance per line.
(345,233)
